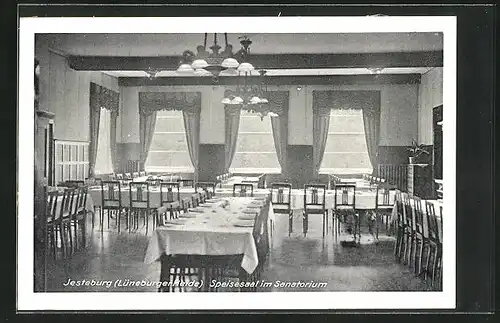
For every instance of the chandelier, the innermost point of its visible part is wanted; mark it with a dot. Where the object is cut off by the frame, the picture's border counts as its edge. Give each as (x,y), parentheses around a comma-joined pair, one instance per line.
(213,62)
(251,97)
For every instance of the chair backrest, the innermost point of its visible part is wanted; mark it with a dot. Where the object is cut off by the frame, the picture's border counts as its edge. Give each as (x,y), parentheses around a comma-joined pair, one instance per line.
(243,189)
(169,192)
(314,195)
(432,222)
(142,173)
(52,205)
(383,195)
(111,193)
(344,196)
(139,194)
(127,176)
(261,233)
(281,194)
(419,214)
(81,200)
(185,182)
(407,210)
(399,208)
(135,174)
(205,186)
(67,203)
(119,177)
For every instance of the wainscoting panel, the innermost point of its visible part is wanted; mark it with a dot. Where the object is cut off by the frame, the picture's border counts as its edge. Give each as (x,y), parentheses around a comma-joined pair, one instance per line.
(211,161)
(300,164)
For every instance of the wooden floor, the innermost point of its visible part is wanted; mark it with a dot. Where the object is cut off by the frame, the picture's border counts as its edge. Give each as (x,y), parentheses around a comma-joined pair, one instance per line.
(371,267)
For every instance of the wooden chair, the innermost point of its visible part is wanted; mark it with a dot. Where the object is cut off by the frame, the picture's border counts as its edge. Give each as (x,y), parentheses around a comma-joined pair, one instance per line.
(434,257)
(135,174)
(420,240)
(242,190)
(170,199)
(140,204)
(79,219)
(314,203)
(344,210)
(111,194)
(383,206)
(142,173)
(208,187)
(409,225)
(119,177)
(51,215)
(63,221)
(186,182)
(281,199)
(401,228)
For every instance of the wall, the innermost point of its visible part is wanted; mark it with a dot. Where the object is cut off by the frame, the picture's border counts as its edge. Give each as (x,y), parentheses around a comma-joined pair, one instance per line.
(398,112)
(430,96)
(66,92)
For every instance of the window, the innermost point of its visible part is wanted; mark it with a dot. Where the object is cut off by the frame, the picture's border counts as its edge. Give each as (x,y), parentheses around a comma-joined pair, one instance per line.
(346,150)
(255,151)
(103,164)
(169,150)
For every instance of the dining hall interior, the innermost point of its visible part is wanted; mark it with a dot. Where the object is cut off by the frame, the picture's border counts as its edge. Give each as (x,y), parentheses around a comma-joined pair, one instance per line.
(260,162)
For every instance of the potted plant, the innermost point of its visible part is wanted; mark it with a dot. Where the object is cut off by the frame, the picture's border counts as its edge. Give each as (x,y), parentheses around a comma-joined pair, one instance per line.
(415,151)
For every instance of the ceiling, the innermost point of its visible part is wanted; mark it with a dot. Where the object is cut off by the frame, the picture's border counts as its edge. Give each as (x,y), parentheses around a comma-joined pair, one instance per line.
(175,44)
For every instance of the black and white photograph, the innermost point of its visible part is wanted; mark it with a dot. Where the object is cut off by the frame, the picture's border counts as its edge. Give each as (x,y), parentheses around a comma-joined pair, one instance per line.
(237,162)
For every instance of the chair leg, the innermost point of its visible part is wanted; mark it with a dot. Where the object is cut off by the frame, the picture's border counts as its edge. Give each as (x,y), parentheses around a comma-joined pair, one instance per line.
(305,222)
(290,223)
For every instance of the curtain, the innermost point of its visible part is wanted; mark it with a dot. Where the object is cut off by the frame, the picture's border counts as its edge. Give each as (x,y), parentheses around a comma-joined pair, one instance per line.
(103,163)
(321,123)
(192,127)
(147,124)
(279,102)
(187,102)
(95,115)
(101,97)
(232,124)
(367,101)
(115,106)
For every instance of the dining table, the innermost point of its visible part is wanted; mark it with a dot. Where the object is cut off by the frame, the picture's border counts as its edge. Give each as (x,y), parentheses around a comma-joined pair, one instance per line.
(223,226)
(254,180)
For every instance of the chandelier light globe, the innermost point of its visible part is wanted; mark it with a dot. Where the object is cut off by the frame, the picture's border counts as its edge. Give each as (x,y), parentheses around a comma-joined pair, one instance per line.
(237,100)
(230,63)
(245,67)
(226,101)
(255,100)
(185,68)
(264,100)
(199,64)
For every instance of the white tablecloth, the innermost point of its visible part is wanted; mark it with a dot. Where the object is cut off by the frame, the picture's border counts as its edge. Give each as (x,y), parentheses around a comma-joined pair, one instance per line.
(212,232)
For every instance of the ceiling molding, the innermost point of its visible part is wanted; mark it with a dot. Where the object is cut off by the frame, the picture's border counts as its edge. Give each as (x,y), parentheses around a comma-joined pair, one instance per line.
(267,61)
(277,80)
